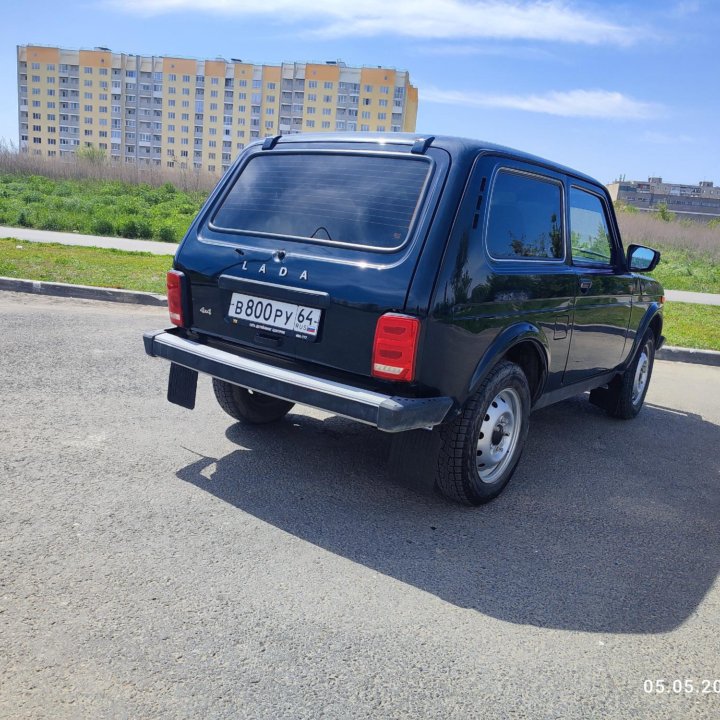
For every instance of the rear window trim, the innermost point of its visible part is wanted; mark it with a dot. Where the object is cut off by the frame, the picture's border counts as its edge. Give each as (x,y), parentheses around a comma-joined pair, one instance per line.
(535,175)
(407,156)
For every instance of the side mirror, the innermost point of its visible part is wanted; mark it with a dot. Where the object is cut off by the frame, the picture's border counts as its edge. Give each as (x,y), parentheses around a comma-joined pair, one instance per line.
(642,259)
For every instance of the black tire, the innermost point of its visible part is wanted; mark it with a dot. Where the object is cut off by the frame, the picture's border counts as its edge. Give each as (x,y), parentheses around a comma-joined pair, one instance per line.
(249,406)
(626,393)
(460,476)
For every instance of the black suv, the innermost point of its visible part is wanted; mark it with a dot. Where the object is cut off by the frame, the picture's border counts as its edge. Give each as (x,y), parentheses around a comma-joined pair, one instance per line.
(411,283)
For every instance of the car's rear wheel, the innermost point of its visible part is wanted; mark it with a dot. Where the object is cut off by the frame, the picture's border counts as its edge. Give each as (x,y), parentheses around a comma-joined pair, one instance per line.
(480,449)
(249,406)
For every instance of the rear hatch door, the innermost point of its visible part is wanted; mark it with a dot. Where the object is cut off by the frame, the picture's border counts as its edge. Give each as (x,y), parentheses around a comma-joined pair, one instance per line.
(305,245)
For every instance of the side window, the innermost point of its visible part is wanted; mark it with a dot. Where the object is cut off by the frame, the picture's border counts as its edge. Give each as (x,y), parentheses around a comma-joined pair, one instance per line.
(589,237)
(525,218)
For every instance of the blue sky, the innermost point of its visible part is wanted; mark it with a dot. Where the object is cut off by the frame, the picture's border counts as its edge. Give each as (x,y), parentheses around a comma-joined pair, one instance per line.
(607,87)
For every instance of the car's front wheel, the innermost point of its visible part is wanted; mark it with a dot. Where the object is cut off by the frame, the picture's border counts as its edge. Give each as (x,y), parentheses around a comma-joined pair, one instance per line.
(628,391)
(480,449)
(249,406)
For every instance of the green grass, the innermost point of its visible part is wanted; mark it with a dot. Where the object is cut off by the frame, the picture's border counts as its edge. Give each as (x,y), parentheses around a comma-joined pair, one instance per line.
(83,266)
(687,270)
(686,325)
(97,207)
(692,326)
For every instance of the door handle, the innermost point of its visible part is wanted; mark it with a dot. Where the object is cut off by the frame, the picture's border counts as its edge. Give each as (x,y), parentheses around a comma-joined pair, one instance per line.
(585,284)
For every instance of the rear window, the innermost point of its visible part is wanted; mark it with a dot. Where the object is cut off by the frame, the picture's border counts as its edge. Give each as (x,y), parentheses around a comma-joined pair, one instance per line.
(358,200)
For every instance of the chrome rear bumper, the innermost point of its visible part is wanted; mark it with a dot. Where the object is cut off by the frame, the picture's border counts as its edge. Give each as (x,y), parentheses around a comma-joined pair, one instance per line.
(386,412)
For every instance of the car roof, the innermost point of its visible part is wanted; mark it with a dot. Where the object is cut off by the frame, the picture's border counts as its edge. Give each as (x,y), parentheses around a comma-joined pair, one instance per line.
(455,146)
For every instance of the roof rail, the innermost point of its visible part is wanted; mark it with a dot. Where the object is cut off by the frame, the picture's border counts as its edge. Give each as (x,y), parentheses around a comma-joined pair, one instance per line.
(271,142)
(421,145)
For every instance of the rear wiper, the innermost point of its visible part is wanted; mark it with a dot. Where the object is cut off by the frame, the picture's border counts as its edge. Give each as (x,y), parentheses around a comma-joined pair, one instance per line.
(324,229)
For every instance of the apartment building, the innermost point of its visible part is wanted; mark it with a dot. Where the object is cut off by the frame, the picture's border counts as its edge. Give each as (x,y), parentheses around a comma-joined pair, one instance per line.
(699,202)
(195,114)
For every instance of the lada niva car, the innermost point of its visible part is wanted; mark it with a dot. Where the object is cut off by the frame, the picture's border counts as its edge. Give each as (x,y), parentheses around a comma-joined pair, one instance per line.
(411,283)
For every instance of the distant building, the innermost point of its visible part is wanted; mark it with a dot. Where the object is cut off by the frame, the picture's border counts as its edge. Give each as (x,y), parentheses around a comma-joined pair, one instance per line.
(700,202)
(195,114)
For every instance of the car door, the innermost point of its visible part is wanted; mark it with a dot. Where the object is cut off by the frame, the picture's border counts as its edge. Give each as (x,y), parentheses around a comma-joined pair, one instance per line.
(505,266)
(603,292)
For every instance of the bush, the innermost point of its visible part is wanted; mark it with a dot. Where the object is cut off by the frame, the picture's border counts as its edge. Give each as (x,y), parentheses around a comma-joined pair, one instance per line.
(128,229)
(23,220)
(102,226)
(166,234)
(144,230)
(52,223)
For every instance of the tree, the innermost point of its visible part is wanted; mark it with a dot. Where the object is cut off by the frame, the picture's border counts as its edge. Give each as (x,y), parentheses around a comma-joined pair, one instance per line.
(91,155)
(664,213)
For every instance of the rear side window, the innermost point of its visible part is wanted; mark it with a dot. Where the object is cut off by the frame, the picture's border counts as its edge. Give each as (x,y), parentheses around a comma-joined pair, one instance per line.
(525,218)
(358,200)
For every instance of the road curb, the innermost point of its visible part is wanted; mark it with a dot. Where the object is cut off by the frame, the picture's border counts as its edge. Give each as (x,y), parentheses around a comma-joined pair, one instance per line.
(83,292)
(689,355)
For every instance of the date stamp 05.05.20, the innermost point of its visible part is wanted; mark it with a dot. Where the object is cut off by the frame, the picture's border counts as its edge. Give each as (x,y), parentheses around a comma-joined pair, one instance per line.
(682,686)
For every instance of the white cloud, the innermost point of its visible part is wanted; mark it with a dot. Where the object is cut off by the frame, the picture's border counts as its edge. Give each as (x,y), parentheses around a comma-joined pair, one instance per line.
(573,103)
(545,20)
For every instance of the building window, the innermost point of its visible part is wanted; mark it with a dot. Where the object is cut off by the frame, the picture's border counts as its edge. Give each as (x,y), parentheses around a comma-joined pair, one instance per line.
(87,70)
(310,123)
(328,85)
(312,83)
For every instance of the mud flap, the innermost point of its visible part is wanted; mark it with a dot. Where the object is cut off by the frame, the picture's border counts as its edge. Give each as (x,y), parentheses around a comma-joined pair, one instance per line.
(182,386)
(607,398)
(414,458)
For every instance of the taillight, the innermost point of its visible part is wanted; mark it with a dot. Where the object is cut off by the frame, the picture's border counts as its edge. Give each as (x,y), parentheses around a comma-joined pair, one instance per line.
(174,296)
(395,346)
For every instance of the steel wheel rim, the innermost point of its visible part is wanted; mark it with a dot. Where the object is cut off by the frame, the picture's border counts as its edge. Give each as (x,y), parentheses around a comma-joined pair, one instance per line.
(642,372)
(498,435)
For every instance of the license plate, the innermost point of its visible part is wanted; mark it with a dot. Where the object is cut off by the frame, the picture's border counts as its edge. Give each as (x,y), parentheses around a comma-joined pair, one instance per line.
(274,316)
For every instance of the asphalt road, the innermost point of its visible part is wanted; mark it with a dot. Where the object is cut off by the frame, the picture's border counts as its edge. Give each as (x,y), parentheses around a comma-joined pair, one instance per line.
(161,563)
